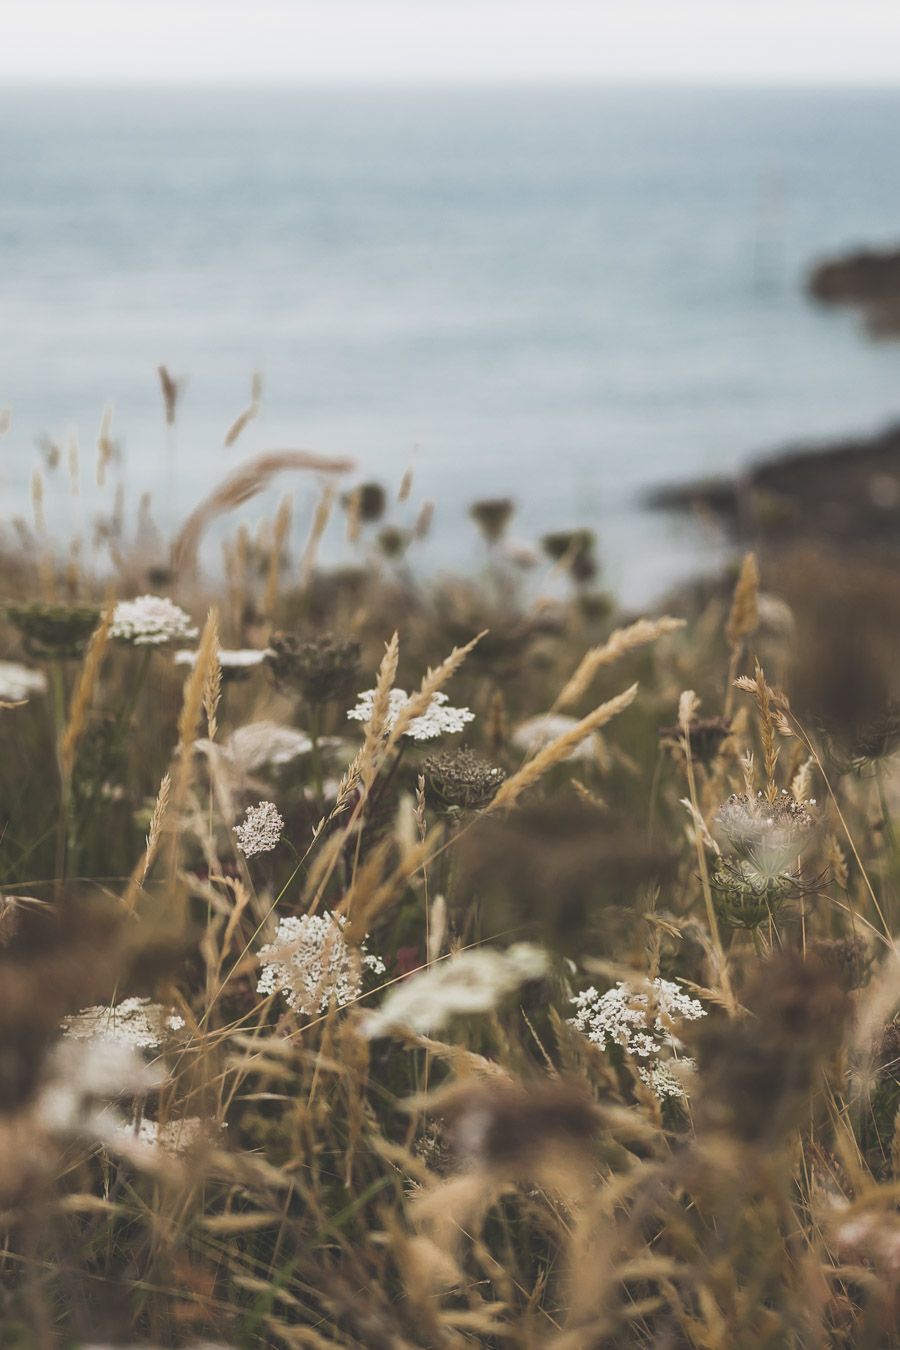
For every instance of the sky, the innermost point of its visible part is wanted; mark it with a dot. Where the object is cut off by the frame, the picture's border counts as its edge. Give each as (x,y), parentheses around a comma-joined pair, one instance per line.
(402,41)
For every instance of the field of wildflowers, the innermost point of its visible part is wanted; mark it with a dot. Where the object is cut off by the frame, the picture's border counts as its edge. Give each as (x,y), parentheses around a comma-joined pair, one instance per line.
(396,962)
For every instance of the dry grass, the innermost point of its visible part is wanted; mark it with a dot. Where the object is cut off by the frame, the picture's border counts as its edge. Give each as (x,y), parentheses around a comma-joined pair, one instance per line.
(486,1175)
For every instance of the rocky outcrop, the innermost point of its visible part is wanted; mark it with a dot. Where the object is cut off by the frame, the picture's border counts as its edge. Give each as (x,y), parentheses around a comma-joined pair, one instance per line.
(845,492)
(868,280)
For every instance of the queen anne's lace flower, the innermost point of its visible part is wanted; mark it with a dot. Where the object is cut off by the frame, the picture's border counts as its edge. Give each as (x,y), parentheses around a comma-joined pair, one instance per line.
(150,621)
(135,1022)
(312,966)
(641,1022)
(260,830)
(770,835)
(439,719)
(17,682)
(533,735)
(471,981)
(258,744)
(231,661)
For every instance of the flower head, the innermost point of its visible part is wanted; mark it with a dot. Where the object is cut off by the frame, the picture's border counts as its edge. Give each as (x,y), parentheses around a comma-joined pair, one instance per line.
(641,1021)
(312,966)
(320,669)
(439,719)
(533,735)
(135,1022)
(235,665)
(468,982)
(761,871)
(260,830)
(55,630)
(18,682)
(150,621)
(462,779)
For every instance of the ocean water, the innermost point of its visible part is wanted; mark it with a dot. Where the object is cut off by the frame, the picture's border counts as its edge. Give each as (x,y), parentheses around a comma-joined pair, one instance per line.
(566,295)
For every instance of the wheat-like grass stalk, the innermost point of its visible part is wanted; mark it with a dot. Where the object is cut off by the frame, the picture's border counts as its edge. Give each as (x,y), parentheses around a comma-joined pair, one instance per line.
(618,644)
(320,520)
(557,750)
(157,820)
(280,533)
(212,687)
(375,728)
(84,690)
(37,501)
(195,687)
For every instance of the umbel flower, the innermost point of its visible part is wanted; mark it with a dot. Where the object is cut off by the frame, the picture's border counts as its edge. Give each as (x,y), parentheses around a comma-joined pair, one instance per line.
(61,631)
(471,981)
(135,1022)
(533,734)
(762,871)
(150,621)
(461,779)
(439,719)
(312,966)
(17,682)
(234,665)
(643,1022)
(261,829)
(321,669)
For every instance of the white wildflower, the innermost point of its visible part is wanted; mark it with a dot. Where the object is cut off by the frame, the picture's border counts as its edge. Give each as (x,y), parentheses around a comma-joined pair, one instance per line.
(175,1136)
(439,719)
(470,981)
(260,830)
(17,682)
(264,743)
(82,1075)
(150,620)
(533,735)
(232,661)
(312,966)
(135,1022)
(768,835)
(642,1022)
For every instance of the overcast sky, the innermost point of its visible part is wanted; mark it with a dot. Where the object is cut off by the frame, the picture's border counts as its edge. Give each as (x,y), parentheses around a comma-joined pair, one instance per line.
(191,41)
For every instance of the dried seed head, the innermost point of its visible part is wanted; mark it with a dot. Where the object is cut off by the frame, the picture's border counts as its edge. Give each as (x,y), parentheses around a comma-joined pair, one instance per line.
(60,631)
(462,779)
(492,516)
(707,735)
(321,669)
(368,499)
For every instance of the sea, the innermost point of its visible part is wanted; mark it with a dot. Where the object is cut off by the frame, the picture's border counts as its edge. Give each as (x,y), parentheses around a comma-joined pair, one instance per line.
(566,295)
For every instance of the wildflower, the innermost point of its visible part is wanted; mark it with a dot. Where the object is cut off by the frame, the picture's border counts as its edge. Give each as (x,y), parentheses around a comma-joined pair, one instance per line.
(135,1022)
(492,517)
(235,665)
(368,499)
(263,743)
(260,830)
(60,631)
(312,966)
(81,1076)
(439,719)
(576,549)
(766,839)
(468,982)
(150,621)
(322,669)
(175,1136)
(394,542)
(641,1022)
(462,779)
(18,682)
(533,735)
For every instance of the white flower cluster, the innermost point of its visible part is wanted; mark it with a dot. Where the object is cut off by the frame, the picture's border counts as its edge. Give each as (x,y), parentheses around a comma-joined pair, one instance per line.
(258,744)
(470,981)
(260,830)
(174,1137)
(150,621)
(312,966)
(439,719)
(82,1076)
(641,1022)
(769,835)
(533,735)
(135,1022)
(231,661)
(18,682)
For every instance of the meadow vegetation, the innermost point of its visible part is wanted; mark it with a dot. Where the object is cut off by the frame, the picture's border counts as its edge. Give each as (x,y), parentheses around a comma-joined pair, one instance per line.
(394,961)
